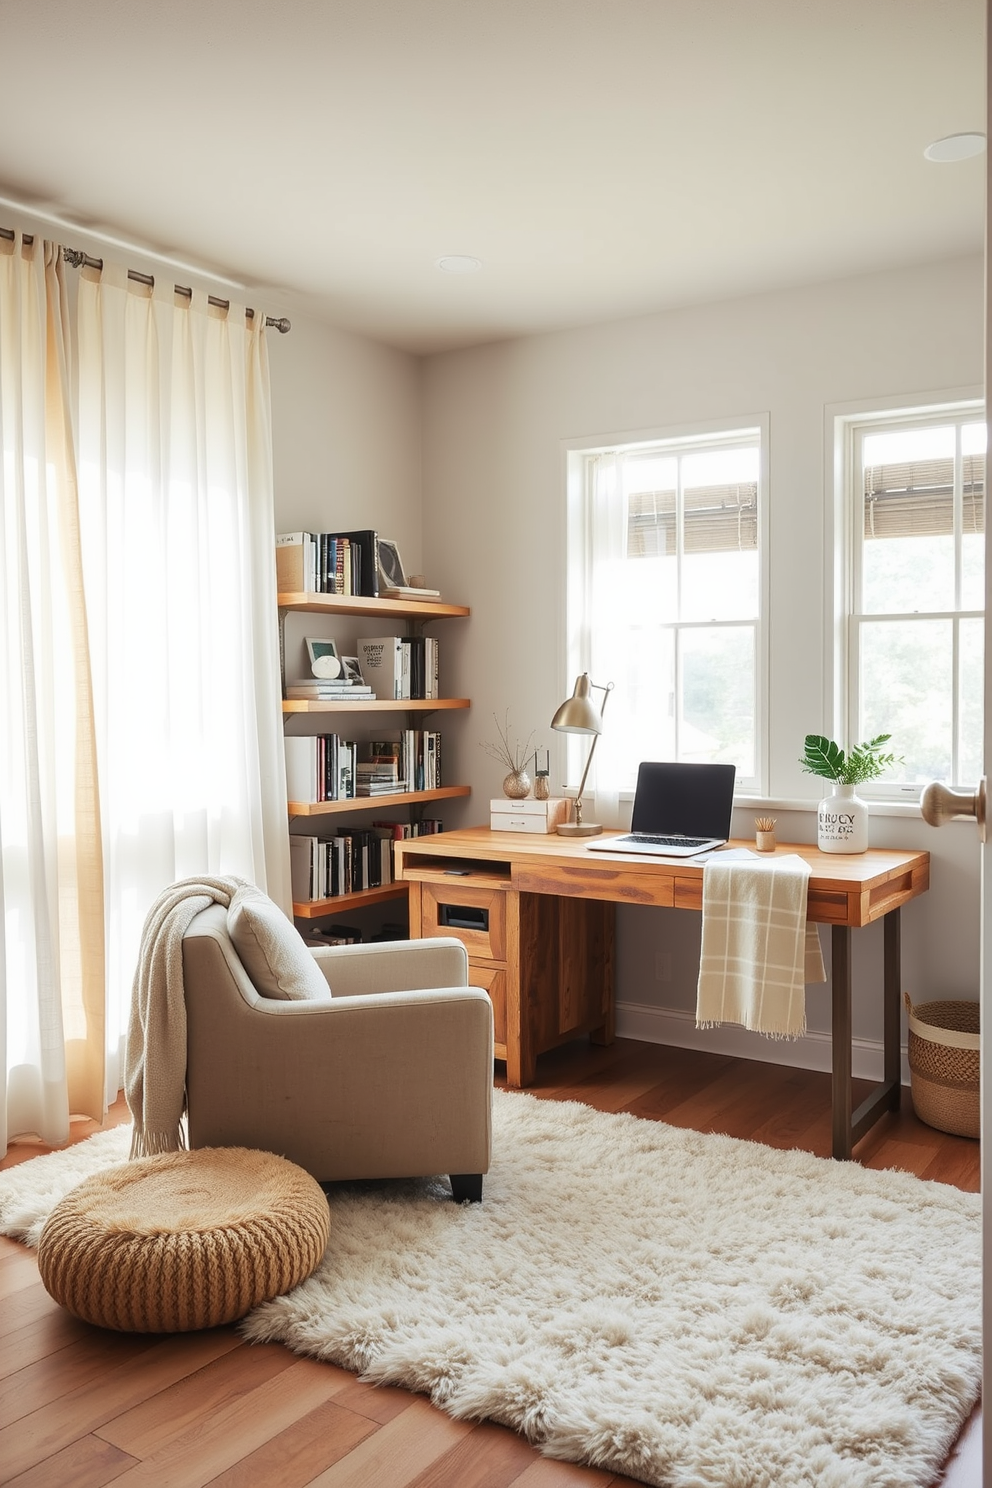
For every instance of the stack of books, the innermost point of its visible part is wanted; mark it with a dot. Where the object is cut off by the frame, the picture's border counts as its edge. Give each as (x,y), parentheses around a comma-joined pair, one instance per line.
(378,771)
(354,859)
(400,666)
(378,780)
(320,767)
(336,690)
(328,563)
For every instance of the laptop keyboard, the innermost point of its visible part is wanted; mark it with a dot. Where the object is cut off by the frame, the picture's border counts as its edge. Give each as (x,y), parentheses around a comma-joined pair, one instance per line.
(669,841)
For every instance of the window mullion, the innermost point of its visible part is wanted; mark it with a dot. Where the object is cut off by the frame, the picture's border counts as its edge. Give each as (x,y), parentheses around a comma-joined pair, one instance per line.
(679,579)
(956,690)
(854,678)
(958,509)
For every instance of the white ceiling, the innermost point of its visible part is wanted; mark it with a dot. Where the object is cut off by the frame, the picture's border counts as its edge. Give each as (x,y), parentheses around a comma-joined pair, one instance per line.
(603,158)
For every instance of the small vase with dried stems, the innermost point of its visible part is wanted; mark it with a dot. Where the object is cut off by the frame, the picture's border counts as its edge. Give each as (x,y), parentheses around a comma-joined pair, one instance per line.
(516,783)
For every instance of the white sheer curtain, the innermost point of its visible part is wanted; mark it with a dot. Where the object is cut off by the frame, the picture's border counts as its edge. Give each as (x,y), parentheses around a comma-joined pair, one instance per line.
(52,985)
(177,520)
(140,733)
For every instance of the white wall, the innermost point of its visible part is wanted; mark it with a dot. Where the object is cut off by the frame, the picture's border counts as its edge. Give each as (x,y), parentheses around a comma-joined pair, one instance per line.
(346,434)
(346,431)
(494,421)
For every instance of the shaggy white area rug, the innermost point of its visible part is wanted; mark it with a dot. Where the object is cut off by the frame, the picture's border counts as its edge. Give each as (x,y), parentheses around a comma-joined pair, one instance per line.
(691,1310)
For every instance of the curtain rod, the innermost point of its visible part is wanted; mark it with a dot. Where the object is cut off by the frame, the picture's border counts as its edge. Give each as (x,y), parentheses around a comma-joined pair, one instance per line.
(78,259)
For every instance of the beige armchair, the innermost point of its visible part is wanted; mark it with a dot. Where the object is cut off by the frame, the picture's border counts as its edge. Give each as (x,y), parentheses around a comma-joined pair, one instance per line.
(389,1077)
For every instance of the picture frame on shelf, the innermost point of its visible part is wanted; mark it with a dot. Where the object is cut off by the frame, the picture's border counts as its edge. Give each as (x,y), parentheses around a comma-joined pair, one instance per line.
(392,574)
(324,659)
(351,669)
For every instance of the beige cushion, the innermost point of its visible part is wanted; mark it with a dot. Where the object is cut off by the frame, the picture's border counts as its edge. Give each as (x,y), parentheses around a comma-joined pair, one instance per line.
(272,951)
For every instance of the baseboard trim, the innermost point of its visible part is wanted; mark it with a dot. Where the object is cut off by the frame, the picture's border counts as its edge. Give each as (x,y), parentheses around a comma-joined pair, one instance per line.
(674,1026)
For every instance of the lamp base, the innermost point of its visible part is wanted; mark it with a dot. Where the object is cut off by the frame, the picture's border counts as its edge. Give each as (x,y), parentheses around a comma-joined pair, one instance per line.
(578,829)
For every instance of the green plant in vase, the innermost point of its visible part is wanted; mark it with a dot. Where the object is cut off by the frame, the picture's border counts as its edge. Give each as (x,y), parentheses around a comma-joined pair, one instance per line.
(842,819)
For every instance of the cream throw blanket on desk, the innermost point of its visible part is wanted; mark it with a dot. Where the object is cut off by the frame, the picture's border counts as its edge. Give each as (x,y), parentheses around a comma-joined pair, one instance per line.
(756,954)
(155,1055)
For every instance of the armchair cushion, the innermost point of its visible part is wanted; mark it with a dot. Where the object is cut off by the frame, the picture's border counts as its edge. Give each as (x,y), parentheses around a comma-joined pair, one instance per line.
(272,950)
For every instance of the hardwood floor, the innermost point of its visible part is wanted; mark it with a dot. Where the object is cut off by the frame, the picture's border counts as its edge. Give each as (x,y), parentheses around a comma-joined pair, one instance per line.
(81,1407)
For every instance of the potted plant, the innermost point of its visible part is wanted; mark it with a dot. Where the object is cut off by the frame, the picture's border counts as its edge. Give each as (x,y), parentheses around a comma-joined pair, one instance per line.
(842,819)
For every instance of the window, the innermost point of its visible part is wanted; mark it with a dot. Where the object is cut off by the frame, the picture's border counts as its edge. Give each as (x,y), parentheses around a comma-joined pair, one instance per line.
(665,599)
(916,631)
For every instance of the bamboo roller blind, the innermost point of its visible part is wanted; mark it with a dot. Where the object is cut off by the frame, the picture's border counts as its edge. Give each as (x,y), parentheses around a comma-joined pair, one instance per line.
(717,519)
(916,498)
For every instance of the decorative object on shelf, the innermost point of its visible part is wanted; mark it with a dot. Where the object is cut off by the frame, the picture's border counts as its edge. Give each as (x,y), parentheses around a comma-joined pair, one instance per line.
(764,833)
(542,774)
(417,587)
(842,817)
(392,574)
(578,715)
(514,757)
(324,660)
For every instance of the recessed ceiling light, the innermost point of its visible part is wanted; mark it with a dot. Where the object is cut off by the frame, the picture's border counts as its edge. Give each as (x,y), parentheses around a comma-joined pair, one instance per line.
(955,147)
(459,263)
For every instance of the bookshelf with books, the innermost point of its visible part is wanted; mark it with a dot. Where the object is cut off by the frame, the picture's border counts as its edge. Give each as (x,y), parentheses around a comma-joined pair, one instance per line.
(335,778)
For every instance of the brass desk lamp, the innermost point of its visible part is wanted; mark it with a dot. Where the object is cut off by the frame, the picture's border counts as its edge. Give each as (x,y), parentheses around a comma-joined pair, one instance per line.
(578,715)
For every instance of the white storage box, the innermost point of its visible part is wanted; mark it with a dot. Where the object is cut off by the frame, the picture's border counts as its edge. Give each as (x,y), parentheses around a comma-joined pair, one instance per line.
(528,815)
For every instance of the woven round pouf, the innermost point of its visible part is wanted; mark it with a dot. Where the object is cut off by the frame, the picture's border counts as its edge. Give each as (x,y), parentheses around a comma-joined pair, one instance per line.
(183,1240)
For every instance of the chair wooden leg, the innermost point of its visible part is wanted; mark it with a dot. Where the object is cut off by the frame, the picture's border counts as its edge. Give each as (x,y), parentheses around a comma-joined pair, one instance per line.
(466,1186)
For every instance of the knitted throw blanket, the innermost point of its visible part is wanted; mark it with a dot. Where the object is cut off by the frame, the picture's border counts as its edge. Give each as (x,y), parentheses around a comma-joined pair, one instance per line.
(155,1050)
(756,954)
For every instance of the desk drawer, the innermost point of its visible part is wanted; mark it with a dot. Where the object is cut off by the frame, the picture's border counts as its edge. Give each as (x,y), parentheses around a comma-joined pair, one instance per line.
(493,980)
(477,917)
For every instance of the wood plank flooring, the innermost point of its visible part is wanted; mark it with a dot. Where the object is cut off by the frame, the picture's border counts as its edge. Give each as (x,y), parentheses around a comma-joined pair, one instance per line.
(81,1407)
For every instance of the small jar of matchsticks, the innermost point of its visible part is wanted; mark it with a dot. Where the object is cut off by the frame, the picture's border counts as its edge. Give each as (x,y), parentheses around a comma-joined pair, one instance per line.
(764,833)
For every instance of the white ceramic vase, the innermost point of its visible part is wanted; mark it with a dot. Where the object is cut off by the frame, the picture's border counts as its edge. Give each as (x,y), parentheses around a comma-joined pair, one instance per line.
(842,822)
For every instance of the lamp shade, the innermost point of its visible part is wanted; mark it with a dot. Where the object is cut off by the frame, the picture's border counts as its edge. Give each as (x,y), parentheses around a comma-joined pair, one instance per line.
(578,715)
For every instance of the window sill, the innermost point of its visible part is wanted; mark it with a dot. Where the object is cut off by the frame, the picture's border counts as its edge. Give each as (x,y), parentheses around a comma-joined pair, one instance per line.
(878,806)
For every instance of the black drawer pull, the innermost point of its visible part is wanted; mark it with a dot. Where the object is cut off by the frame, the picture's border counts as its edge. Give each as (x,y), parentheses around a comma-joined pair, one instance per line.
(463,917)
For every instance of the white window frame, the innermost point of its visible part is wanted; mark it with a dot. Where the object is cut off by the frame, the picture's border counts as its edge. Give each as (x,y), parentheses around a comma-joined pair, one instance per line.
(847,426)
(576,649)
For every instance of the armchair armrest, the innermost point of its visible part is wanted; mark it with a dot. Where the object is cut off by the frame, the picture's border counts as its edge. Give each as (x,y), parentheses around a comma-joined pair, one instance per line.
(393,966)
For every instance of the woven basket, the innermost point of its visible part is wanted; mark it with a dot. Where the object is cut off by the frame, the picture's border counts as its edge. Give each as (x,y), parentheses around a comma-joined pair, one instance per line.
(944,1059)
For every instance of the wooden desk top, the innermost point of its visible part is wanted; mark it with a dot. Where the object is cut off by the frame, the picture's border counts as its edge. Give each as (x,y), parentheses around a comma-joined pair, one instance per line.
(850,889)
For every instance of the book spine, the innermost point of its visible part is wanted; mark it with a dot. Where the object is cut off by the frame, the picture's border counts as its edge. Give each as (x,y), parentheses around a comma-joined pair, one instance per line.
(301,768)
(294,574)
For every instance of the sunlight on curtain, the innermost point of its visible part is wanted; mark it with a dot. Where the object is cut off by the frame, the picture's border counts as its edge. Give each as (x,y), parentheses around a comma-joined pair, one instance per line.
(51,876)
(177,519)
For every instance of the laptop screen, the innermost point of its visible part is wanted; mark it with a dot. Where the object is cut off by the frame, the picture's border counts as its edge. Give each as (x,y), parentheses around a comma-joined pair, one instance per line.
(694,800)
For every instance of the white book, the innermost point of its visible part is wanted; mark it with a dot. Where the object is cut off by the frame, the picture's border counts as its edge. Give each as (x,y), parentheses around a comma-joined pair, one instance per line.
(301,767)
(301,862)
(381,661)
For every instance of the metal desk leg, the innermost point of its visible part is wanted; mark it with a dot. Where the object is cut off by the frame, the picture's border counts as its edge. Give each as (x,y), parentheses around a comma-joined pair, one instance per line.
(893,1006)
(848,1127)
(840,1040)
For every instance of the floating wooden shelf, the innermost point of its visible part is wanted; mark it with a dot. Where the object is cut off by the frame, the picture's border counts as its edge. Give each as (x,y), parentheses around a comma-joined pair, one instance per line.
(320,909)
(377,803)
(356,604)
(373,705)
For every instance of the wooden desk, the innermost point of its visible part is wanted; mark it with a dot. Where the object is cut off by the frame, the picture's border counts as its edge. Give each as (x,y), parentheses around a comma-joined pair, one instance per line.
(535,913)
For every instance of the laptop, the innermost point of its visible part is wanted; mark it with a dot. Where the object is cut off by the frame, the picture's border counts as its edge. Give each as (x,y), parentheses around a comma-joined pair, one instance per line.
(679,810)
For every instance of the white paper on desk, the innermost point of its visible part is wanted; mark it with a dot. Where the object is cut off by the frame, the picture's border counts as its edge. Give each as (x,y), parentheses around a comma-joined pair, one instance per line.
(725,854)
